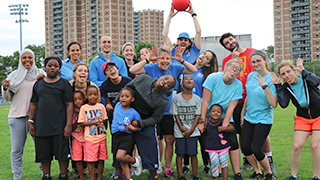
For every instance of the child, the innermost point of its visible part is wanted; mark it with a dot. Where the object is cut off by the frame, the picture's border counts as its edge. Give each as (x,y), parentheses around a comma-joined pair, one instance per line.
(186,108)
(50,118)
(78,141)
(122,138)
(216,145)
(91,117)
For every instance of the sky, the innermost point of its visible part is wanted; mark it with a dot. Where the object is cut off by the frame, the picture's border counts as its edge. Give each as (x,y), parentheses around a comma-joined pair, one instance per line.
(216,17)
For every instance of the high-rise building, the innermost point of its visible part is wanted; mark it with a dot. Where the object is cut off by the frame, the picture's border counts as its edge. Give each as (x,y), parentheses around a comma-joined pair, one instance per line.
(148,26)
(296,29)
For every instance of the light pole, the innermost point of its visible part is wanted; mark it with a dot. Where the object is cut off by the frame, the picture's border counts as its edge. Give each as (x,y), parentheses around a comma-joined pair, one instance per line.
(19,9)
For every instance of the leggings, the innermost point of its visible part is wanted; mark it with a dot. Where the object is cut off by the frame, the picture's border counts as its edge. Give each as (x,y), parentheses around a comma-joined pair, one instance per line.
(204,154)
(215,158)
(253,138)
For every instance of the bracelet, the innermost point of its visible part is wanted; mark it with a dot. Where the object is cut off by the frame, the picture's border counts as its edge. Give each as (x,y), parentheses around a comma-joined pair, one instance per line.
(264,87)
(147,60)
(182,62)
(193,14)
(30,120)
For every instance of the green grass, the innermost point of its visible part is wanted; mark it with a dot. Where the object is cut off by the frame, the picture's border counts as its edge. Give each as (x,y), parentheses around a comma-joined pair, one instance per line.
(281,137)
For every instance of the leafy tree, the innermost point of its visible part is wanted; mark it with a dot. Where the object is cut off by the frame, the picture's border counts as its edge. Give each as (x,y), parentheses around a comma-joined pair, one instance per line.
(270,51)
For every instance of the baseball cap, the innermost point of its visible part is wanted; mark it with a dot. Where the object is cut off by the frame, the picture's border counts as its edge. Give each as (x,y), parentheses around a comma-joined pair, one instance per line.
(184,35)
(104,66)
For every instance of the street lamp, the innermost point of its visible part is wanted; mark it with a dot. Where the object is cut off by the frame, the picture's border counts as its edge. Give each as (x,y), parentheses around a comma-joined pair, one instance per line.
(19,9)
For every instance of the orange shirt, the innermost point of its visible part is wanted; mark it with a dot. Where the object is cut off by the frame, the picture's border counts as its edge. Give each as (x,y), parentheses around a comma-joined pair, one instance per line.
(89,113)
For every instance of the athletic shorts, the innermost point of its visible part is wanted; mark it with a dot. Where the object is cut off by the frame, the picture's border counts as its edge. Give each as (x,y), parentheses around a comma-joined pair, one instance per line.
(187,146)
(237,117)
(232,139)
(95,151)
(49,146)
(165,127)
(78,150)
(124,141)
(303,124)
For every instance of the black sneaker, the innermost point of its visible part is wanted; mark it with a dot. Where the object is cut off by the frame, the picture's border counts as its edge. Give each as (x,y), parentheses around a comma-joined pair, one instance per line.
(63,176)
(185,170)
(169,175)
(84,177)
(270,176)
(238,176)
(182,178)
(206,170)
(246,165)
(46,177)
(195,178)
(273,169)
(257,175)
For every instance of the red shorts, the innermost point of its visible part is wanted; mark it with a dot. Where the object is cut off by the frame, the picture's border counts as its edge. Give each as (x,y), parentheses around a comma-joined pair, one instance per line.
(78,149)
(95,151)
(304,124)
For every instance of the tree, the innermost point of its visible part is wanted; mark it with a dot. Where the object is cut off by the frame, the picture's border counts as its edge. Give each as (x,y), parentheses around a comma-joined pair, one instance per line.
(270,52)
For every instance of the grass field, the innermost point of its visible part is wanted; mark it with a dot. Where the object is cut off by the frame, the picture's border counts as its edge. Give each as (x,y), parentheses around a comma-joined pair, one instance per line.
(281,137)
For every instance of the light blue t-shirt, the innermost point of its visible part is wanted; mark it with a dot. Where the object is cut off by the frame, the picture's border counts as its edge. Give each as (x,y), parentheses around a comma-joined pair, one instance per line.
(300,92)
(122,116)
(198,81)
(154,71)
(189,56)
(222,93)
(66,70)
(258,108)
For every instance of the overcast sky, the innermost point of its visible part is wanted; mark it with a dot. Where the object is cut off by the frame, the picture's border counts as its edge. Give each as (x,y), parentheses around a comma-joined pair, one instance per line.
(216,17)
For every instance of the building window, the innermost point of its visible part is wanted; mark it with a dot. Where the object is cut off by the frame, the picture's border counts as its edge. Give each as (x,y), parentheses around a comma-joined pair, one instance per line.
(278,12)
(278,18)
(278,25)
(279,51)
(278,5)
(278,38)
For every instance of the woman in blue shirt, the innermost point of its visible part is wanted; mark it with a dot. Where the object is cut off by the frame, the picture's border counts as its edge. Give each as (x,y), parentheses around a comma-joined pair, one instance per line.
(257,115)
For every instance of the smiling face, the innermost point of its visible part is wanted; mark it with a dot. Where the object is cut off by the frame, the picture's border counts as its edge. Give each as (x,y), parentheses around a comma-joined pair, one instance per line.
(188,82)
(126,98)
(111,71)
(144,54)
(27,60)
(164,60)
(215,112)
(183,43)
(165,82)
(74,52)
(128,52)
(204,59)
(289,75)
(106,44)
(81,73)
(78,99)
(258,63)
(52,68)
(92,95)
(230,43)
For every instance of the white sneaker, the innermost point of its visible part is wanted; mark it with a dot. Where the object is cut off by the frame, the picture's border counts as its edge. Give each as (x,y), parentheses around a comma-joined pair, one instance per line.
(137,166)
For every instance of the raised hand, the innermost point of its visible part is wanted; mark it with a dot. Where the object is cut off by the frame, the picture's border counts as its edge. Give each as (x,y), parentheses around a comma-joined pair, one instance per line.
(261,80)
(178,56)
(235,54)
(299,64)
(153,53)
(190,9)
(274,78)
(5,84)
(172,13)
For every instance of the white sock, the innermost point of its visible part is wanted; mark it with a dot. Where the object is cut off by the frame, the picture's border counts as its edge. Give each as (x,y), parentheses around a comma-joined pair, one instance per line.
(268,154)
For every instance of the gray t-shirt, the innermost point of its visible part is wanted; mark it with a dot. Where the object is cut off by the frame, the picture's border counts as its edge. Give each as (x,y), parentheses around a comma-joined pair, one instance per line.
(187,110)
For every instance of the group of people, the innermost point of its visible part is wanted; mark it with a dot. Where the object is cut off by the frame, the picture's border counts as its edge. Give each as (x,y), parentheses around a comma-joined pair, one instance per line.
(172,95)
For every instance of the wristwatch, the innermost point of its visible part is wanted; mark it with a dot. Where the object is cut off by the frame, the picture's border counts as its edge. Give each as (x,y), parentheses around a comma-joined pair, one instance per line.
(264,86)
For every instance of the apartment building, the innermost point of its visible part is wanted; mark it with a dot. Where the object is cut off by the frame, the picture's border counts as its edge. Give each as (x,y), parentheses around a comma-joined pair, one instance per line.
(296,29)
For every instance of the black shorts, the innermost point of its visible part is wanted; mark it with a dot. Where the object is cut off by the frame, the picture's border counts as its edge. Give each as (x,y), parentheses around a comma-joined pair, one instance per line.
(124,141)
(237,117)
(165,127)
(232,139)
(49,146)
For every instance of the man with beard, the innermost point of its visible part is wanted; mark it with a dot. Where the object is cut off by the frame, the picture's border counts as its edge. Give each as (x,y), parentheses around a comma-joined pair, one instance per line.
(96,74)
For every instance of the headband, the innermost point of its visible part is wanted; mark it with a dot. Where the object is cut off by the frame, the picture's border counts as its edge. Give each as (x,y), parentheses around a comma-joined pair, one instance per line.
(258,53)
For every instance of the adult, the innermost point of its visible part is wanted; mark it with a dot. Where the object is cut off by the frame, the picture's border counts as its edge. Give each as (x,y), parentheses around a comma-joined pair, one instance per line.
(17,88)
(257,116)
(231,43)
(163,67)
(224,89)
(95,72)
(151,100)
(80,80)
(74,53)
(190,49)
(128,51)
(206,63)
(302,87)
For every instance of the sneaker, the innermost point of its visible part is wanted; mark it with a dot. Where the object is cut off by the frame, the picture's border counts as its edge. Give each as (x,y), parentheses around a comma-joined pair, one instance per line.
(315,178)
(195,178)
(270,176)
(220,175)
(185,170)
(46,177)
(292,178)
(155,177)
(113,174)
(137,166)
(169,175)
(84,177)
(273,169)
(246,165)
(257,175)
(206,170)
(117,177)
(182,178)
(63,176)
(238,176)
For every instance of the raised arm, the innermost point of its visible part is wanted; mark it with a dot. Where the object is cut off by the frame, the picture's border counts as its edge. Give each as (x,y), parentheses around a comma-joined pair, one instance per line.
(189,68)
(165,31)
(197,38)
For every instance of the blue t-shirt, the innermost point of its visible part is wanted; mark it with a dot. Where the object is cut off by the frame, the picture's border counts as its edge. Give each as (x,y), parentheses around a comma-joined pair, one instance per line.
(189,56)
(222,93)
(122,116)
(299,92)
(66,70)
(96,74)
(198,81)
(258,108)
(154,71)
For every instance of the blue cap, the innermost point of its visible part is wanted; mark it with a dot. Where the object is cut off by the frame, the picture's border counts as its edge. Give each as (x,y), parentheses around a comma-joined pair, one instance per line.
(184,35)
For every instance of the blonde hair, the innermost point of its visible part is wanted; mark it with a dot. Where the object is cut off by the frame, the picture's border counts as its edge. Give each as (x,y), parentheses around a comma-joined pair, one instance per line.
(163,49)
(264,56)
(231,61)
(283,64)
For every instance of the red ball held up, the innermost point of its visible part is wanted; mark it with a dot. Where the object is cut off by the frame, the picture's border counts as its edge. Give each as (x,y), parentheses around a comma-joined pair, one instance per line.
(180,5)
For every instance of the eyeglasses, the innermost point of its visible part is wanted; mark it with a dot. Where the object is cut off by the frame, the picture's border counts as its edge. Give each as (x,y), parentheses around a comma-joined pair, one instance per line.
(110,67)
(235,67)
(257,61)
